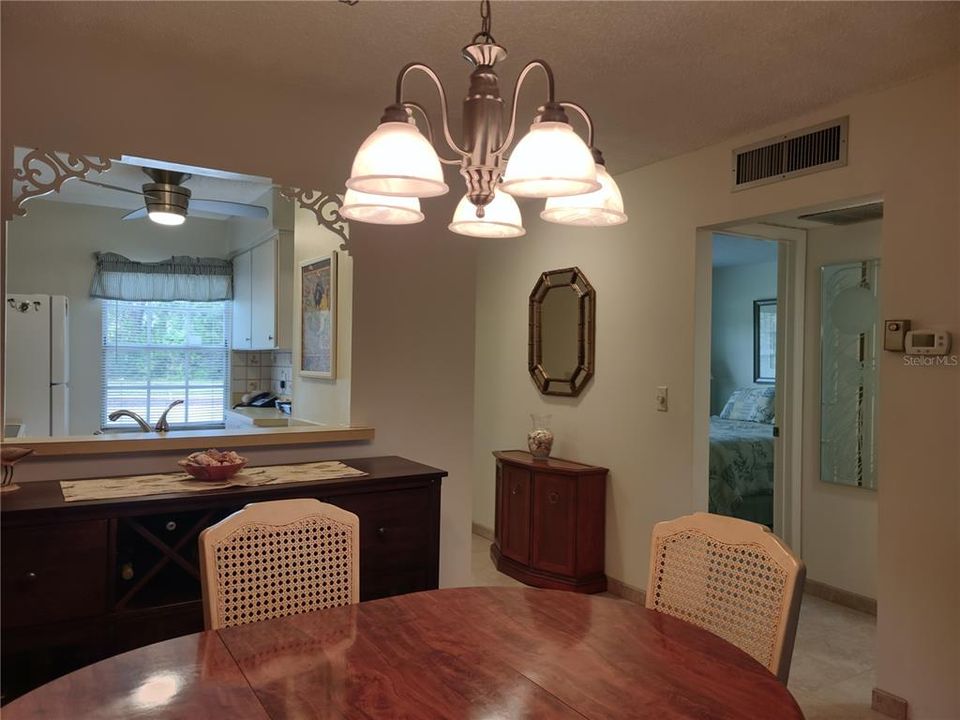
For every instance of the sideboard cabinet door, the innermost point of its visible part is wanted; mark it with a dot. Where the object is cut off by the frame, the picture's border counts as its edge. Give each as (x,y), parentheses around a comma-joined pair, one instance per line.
(54,572)
(515,524)
(554,523)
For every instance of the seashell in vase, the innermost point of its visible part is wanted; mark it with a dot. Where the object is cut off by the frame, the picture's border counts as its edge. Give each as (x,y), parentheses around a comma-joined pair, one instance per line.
(540,438)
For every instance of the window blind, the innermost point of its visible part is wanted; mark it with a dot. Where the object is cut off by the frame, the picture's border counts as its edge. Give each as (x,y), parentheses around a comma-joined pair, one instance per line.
(158,352)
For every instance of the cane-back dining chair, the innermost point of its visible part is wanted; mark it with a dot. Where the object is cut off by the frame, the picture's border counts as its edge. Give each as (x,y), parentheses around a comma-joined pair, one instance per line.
(732,577)
(279,558)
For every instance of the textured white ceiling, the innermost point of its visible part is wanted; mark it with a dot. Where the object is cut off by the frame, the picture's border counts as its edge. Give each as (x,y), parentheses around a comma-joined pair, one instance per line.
(660,78)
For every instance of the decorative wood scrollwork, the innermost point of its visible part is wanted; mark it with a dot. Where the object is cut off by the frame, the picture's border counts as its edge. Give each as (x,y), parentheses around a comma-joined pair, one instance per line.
(325,206)
(42,172)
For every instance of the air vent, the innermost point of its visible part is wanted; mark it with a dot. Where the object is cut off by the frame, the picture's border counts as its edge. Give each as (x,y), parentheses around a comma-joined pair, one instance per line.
(809,150)
(848,215)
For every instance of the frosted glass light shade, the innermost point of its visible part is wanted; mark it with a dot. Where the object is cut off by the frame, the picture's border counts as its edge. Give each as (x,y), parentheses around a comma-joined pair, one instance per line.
(380,209)
(397,160)
(550,161)
(602,207)
(166,218)
(501,218)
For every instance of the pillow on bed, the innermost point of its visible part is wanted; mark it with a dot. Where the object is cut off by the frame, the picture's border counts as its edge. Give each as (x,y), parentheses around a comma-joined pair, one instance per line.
(752,404)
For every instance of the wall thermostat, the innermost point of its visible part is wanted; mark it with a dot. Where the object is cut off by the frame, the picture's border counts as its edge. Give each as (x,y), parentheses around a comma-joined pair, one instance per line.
(928,342)
(894,334)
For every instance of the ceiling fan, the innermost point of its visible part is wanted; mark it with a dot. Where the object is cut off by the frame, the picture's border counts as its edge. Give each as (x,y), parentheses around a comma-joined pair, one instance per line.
(166,200)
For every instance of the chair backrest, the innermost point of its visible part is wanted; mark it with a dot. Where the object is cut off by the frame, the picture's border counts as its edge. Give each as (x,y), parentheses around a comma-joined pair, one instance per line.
(732,577)
(279,558)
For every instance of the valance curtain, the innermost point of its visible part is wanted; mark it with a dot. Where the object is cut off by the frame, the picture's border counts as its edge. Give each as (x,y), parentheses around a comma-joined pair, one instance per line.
(179,278)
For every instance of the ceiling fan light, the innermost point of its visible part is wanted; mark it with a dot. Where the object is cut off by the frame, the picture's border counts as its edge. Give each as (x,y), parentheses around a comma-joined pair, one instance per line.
(550,161)
(396,160)
(603,207)
(166,217)
(380,209)
(501,218)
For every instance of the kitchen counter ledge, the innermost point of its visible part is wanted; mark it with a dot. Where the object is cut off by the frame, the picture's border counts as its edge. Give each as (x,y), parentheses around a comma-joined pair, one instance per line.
(114,443)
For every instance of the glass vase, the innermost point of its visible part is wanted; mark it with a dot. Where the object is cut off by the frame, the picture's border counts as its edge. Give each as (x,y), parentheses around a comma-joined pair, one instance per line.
(540,438)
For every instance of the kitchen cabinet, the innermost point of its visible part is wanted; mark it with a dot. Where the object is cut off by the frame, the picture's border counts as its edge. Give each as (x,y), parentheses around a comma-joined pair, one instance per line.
(242,305)
(263,295)
(550,522)
(86,580)
(263,292)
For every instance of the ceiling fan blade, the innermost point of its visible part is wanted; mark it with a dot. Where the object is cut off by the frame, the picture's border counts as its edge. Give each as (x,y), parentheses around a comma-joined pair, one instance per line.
(225,207)
(136,214)
(112,187)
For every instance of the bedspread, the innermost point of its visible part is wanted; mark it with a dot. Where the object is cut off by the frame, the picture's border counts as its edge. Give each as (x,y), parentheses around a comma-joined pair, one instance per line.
(741,462)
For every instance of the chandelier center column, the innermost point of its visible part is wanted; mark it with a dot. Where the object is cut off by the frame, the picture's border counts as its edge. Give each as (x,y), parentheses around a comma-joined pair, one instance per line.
(483,125)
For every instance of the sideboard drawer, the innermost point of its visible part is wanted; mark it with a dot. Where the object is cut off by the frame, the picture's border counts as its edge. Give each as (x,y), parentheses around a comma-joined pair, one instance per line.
(53,572)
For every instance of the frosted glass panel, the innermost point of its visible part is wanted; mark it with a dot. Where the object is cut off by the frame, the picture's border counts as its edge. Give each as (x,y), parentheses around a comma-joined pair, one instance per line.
(849,333)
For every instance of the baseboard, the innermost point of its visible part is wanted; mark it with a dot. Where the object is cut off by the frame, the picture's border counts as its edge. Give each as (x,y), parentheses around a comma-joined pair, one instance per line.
(841,597)
(889,704)
(627,592)
(483,531)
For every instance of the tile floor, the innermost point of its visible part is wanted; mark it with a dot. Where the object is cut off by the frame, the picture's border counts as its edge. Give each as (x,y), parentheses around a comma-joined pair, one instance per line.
(832,674)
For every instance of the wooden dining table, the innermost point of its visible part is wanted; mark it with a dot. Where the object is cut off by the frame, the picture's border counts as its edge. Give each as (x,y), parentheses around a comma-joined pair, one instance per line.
(456,653)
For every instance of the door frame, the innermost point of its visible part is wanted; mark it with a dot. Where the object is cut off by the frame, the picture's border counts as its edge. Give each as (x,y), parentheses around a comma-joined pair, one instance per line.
(791,287)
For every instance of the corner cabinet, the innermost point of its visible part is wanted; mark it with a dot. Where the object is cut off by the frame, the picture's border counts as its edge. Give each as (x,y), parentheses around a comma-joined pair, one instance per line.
(86,580)
(263,295)
(550,522)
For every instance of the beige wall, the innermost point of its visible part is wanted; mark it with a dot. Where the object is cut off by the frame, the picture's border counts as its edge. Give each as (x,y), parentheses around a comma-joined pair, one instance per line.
(317,399)
(50,251)
(413,359)
(839,522)
(903,145)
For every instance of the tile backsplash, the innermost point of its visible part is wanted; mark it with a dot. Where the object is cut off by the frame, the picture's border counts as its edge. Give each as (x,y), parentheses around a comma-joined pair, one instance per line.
(254,371)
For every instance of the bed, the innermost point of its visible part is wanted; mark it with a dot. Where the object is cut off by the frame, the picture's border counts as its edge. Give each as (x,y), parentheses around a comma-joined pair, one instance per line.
(741,457)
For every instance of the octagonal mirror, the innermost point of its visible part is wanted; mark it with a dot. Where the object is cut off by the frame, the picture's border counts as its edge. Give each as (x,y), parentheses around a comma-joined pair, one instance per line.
(562,321)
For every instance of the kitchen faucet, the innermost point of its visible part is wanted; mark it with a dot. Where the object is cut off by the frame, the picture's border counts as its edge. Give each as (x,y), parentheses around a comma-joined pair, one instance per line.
(117,414)
(162,424)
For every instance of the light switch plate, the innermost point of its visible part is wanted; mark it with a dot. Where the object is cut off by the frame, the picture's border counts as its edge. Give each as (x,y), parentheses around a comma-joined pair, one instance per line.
(662,404)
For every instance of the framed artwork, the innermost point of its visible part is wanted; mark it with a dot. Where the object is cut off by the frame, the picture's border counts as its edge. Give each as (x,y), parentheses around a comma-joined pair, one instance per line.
(765,341)
(318,317)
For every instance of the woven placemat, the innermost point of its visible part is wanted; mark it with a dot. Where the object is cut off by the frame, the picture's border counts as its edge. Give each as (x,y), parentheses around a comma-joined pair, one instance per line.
(163,484)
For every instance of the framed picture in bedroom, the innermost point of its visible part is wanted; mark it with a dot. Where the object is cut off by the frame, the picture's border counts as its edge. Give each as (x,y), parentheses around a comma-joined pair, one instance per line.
(318,317)
(765,341)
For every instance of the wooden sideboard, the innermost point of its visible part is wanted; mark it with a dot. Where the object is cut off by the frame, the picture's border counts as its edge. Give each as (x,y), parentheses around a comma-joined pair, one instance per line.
(550,522)
(86,580)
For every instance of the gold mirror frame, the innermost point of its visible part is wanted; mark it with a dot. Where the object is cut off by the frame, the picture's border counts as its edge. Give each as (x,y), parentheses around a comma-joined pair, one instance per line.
(574,278)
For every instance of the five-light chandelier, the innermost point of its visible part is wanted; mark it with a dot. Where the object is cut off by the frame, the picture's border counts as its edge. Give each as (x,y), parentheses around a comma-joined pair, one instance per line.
(397,165)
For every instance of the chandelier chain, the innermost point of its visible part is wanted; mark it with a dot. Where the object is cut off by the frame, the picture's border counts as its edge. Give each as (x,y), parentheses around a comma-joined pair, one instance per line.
(485,22)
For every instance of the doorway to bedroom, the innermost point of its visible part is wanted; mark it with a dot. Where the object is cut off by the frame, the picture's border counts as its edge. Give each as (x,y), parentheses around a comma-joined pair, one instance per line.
(743,377)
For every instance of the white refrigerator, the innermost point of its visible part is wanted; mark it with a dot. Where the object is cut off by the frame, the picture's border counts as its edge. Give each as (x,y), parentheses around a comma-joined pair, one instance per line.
(37,391)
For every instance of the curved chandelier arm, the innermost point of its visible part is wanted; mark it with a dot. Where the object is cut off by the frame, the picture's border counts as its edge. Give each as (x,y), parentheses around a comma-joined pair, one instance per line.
(542,64)
(444,114)
(426,121)
(586,118)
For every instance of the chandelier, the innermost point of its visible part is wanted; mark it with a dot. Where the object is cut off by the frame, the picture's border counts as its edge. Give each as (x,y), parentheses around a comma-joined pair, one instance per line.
(397,165)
